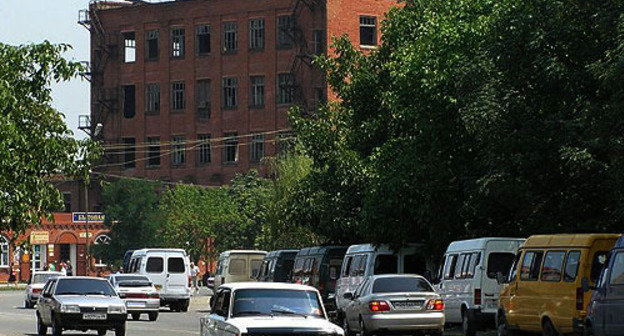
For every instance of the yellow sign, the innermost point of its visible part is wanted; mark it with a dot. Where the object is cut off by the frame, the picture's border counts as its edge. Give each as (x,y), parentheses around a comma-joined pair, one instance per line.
(84,234)
(39,237)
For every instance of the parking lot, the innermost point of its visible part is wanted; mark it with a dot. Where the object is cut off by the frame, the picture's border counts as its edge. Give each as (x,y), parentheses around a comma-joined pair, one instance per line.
(17,321)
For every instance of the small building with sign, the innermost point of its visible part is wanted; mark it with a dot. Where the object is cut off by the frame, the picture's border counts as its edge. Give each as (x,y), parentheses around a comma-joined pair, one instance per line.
(64,239)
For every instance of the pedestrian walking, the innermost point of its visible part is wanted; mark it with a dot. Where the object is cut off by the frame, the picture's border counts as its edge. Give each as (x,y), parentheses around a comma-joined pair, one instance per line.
(194,275)
(63,269)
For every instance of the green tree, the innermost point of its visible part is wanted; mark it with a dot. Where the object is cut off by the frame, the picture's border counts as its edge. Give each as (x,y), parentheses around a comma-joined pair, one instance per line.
(131,208)
(35,141)
(281,229)
(250,193)
(196,218)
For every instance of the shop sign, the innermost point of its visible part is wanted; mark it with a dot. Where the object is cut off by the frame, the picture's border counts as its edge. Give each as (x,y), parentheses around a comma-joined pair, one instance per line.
(39,237)
(93,217)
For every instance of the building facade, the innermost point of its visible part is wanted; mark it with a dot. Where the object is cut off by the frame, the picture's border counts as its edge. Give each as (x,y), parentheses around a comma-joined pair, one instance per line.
(67,238)
(197,90)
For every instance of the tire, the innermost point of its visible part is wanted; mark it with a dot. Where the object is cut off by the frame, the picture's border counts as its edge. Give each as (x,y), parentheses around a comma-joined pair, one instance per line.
(346,327)
(57,330)
(588,330)
(468,326)
(101,332)
(41,328)
(363,331)
(136,316)
(548,329)
(153,316)
(502,329)
(174,306)
(184,305)
(120,330)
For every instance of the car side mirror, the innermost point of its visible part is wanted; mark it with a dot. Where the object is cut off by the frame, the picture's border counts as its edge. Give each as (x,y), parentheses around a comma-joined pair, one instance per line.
(348,296)
(500,278)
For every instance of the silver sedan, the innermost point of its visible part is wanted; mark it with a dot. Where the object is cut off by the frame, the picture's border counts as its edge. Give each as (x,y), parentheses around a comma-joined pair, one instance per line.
(394,303)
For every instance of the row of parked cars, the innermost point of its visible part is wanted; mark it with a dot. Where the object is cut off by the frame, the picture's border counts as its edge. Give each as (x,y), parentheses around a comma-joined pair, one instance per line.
(553,284)
(154,278)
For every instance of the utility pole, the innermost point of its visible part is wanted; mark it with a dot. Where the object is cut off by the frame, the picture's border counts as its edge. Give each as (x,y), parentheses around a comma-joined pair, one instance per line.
(87,256)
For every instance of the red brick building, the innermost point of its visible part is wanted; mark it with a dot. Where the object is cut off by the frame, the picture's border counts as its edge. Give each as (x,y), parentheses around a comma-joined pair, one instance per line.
(198,90)
(64,239)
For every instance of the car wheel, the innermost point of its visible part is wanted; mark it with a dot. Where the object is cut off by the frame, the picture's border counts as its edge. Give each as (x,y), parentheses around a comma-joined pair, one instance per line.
(153,316)
(136,316)
(468,326)
(363,331)
(345,326)
(502,329)
(174,307)
(548,329)
(120,330)
(41,328)
(57,330)
(101,332)
(184,305)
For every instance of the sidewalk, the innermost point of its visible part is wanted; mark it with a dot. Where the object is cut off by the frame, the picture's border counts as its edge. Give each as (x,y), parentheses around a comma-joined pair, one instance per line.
(12,286)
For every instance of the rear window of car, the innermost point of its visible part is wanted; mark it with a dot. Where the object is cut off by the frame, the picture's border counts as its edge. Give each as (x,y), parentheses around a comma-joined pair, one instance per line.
(386,264)
(154,265)
(401,285)
(237,267)
(175,265)
(499,263)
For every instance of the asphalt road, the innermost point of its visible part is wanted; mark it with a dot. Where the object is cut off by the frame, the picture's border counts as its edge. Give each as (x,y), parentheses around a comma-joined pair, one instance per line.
(17,321)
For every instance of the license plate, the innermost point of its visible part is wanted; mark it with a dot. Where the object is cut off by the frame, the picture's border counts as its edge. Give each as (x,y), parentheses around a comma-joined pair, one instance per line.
(407,304)
(94,316)
(134,304)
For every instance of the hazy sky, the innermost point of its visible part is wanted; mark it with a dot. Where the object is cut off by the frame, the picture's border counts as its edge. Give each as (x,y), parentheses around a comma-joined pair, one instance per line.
(28,21)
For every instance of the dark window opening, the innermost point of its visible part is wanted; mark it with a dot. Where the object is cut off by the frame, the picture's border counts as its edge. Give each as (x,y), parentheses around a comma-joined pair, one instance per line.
(152,95)
(129,101)
(203,39)
(67,203)
(155,265)
(202,98)
(386,264)
(151,45)
(153,152)
(175,265)
(499,263)
(598,262)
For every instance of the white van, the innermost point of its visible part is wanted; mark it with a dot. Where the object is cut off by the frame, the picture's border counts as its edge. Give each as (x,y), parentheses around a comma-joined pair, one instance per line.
(362,261)
(238,266)
(169,271)
(467,280)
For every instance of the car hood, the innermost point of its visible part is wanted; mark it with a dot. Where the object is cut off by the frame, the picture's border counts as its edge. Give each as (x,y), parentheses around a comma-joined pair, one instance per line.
(89,300)
(284,322)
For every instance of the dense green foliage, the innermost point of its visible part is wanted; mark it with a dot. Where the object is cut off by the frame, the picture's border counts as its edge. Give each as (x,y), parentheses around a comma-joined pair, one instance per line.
(472,118)
(132,216)
(35,142)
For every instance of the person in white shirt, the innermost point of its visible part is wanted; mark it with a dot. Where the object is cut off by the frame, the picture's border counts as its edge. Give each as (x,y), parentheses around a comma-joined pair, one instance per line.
(194,274)
(63,269)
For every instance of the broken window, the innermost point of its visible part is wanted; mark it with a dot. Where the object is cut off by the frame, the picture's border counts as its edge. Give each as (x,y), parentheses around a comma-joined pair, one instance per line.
(256,34)
(151,45)
(129,101)
(230,88)
(178,99)
(285,89)
(230,37)
(177,42)
(129,47)
(202,39)
(285,31)
(152,95)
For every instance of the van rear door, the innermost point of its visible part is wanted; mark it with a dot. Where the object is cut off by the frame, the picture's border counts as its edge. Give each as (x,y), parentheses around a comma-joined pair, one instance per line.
(177,282)
(154,269)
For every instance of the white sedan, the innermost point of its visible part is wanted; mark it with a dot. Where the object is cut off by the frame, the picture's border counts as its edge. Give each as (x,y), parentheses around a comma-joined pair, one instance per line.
(267,308)
(35,285)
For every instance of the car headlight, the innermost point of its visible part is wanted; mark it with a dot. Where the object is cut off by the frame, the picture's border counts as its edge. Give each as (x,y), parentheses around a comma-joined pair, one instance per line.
(70,309)
(117,310)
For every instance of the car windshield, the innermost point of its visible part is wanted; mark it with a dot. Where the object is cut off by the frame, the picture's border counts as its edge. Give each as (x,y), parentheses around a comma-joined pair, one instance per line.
(272,302)
(132,281)
(401,285)
(43,278)
(83,287)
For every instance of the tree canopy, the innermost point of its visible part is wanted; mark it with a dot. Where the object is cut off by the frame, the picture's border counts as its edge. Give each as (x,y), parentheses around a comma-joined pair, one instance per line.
(35,141)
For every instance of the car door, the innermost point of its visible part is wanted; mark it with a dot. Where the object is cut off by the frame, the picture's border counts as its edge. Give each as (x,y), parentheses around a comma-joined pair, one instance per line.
(155,270)
(177,276)
(343,283)
(47,302)
(614,297)
(354,306)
